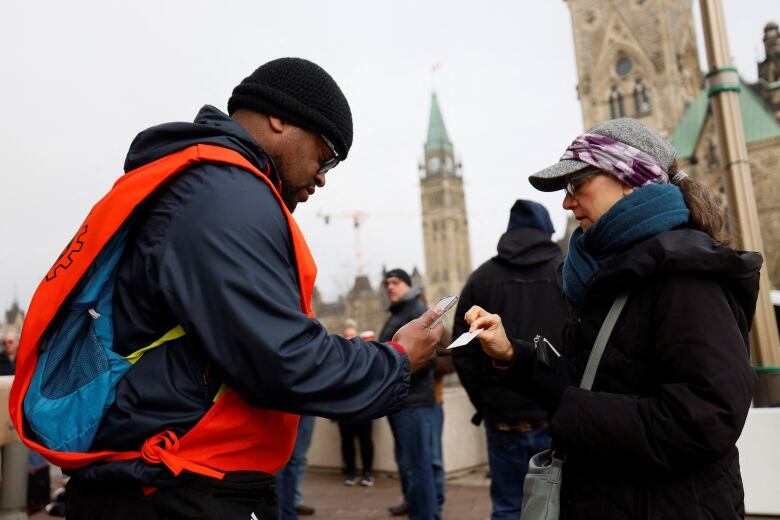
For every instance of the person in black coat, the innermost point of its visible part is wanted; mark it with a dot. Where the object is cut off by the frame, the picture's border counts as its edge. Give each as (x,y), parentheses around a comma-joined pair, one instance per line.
(8,353)
(656,436)
(521,285)
(414,425)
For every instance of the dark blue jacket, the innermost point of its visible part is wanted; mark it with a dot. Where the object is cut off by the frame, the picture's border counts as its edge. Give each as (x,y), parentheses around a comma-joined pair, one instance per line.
(211,252)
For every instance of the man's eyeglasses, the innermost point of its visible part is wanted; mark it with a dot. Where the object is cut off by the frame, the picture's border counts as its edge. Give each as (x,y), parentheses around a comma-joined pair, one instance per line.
(333,161)
(576,181)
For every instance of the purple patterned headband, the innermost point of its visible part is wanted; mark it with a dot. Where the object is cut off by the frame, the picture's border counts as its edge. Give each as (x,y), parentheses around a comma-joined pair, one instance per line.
(631,166)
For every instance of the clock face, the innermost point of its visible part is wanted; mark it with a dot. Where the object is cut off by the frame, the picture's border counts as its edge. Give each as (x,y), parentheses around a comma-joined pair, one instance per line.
(434,163)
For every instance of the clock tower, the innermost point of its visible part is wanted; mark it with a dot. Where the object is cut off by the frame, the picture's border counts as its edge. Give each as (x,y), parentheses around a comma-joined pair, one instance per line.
(445,226)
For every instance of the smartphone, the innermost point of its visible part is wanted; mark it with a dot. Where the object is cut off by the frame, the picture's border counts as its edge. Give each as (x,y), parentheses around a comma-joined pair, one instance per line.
(445,304)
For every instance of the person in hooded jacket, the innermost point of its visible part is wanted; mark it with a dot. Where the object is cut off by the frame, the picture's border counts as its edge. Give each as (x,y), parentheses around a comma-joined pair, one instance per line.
(656,435)
(521,285)
(213,251)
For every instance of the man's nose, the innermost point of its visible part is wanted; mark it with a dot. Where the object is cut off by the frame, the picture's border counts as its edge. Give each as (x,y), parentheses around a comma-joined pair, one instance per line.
(319,180)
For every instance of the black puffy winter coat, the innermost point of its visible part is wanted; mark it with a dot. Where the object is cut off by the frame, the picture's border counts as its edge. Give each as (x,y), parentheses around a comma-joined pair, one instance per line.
(655,438)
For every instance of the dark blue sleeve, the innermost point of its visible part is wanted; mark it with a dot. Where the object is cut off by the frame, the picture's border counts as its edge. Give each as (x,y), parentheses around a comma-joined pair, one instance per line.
(227,275)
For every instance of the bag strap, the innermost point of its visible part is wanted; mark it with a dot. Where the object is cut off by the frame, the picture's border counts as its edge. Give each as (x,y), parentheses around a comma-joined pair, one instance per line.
(601,341)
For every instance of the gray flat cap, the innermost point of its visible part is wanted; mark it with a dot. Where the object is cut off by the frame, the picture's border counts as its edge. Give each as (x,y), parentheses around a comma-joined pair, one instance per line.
(626,130)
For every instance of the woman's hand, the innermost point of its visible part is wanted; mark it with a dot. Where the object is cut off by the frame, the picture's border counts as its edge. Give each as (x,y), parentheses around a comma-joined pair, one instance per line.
(493,336)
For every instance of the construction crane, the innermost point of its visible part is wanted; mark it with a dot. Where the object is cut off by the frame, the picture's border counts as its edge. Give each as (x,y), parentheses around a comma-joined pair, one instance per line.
(357,218)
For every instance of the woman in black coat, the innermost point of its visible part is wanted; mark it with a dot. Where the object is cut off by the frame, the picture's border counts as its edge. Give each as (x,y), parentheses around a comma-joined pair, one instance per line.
(655,437)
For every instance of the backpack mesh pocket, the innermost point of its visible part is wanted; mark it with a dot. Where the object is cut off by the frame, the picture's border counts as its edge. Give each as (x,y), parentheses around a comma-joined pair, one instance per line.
(76,356)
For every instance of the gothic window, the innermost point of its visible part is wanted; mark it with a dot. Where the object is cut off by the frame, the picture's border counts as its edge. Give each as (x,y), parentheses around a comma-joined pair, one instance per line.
(616,105)
(623,66)
(641,98)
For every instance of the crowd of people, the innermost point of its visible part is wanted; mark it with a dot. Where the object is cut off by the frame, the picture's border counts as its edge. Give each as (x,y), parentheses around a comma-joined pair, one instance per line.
(191,283)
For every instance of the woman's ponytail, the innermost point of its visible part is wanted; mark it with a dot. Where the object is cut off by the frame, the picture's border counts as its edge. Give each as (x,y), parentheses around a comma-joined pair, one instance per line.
(706,213)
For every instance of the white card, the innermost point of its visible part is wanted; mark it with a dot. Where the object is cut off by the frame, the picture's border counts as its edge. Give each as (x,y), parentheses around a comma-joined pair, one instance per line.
(465,338)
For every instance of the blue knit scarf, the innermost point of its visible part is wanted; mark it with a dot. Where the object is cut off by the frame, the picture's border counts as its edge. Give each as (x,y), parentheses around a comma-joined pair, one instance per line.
(645,212)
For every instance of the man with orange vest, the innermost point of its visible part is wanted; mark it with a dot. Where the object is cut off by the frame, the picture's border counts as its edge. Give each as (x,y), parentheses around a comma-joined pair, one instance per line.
(200,424)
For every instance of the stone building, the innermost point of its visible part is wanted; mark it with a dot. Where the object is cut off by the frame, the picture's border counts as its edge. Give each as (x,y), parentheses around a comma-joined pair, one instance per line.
(635,58)
(363,303)
(14,318)
(639,58)
(445,239)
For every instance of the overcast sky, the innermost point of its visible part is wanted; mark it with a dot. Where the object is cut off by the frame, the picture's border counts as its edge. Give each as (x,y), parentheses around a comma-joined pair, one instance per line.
(79,79)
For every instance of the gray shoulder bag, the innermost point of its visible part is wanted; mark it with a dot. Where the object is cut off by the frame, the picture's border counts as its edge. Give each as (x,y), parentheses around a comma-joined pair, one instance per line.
(542,486)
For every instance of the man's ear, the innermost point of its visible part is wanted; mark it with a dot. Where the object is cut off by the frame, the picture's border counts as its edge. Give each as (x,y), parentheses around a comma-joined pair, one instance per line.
(277,125)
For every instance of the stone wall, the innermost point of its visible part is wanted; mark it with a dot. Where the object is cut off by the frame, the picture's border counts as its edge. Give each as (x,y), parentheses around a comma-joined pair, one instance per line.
(463,444)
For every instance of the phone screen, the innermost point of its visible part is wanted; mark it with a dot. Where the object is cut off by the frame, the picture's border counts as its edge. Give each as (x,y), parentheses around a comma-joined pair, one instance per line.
(445,304)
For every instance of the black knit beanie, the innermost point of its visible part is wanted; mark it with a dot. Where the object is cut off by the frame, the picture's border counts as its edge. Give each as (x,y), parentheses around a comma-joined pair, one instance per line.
(300,92)
(400,274)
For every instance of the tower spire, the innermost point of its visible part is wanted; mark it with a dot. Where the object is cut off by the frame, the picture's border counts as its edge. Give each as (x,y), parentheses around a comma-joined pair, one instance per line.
(437,132)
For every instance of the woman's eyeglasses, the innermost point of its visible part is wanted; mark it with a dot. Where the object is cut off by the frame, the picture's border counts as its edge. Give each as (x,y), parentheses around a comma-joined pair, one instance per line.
(577,180)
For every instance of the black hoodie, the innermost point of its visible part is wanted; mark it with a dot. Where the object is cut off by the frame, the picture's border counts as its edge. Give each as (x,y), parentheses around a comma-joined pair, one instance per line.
(211,252)
(521,285)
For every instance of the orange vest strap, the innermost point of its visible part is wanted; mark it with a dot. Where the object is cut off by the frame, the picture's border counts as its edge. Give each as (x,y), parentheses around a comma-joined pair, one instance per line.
(162,448)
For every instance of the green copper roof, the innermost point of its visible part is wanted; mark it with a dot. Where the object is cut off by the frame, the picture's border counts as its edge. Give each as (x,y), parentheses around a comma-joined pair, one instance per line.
(686,135)
(758,121)
(437,133)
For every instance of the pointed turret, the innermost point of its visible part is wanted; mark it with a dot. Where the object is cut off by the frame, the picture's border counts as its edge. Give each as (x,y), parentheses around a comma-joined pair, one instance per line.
(437,132)
(439,156)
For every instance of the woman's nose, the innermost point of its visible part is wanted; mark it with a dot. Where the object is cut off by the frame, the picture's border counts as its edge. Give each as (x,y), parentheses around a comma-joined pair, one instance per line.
(569,202)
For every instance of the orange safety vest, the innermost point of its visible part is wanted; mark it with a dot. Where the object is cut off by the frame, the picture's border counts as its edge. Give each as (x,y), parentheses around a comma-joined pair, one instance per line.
(232,435)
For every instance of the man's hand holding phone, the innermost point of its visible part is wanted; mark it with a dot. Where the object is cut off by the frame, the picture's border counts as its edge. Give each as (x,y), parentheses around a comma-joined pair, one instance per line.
(420,337)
